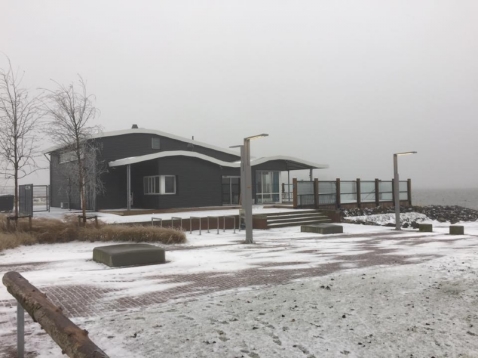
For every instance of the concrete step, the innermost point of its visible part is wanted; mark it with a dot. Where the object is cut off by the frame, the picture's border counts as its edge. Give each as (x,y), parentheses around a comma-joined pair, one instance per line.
(297,223)
(295,212)
(271,220)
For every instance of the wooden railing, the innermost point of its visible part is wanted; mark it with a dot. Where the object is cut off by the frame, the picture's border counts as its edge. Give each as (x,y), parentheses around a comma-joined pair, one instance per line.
(72,340)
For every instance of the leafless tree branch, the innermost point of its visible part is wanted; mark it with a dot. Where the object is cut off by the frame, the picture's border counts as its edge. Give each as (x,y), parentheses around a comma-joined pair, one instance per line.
(71,109)
(20,114)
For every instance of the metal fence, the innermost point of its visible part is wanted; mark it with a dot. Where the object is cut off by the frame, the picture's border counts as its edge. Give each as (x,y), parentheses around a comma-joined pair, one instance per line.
(348,192)
(41,198)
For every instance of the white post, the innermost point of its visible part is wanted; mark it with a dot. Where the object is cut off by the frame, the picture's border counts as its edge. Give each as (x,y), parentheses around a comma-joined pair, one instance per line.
(396,189)
(128,187)
(288,187)
(20,330)
(248,190)
(396,193)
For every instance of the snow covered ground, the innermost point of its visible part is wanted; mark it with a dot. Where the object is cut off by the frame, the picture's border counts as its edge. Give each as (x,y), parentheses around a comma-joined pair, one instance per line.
(371,292)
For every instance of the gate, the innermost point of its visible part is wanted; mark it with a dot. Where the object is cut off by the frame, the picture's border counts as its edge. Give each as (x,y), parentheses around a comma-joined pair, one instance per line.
(41,198)
(25,200)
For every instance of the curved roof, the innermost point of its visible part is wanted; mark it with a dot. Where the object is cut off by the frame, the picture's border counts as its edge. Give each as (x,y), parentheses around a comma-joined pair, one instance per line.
(151,131)
(291,162)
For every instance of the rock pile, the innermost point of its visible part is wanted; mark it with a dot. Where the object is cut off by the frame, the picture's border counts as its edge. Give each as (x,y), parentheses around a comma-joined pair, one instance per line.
(452,214)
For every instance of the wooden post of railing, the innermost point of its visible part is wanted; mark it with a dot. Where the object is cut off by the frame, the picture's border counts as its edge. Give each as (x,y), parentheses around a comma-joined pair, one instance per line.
(359,198)
(294,193)
(316,193)
(377,192)
(409,191)
(72,340)
(337,193)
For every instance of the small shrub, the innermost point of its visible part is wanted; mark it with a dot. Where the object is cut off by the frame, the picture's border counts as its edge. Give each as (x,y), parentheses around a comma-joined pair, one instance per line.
(15,239)
(132,233)
(53,231)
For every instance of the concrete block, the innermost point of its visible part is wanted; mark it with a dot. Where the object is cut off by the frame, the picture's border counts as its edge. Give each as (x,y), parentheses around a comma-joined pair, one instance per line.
(425,227)
(457,230)
(129,255)
(323,228)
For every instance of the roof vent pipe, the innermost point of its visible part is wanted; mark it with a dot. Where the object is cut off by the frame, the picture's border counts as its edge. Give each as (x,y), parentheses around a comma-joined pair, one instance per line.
(134,126)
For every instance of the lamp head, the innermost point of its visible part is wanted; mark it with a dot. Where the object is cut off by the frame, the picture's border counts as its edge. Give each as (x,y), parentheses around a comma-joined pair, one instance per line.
(257,136)
(405,153)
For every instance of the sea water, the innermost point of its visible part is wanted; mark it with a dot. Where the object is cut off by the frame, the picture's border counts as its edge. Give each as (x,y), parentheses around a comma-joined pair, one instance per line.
(462,197)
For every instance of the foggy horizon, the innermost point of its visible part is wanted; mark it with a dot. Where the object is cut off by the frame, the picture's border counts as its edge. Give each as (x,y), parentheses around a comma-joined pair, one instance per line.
(338,83)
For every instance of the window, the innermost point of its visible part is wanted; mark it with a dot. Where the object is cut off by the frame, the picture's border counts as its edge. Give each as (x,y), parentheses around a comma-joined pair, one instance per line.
(267,187)
(159,185)
(154,143)
(66,157)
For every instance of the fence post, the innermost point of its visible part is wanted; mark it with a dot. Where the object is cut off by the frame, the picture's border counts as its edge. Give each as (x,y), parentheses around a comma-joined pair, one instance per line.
(409,191)
(377,192)
(337,193)
(316,193)
(393,193)
(294,193)
(359,197)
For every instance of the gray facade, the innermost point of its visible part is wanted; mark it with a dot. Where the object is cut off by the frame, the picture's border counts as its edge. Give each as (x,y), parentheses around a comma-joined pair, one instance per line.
(198,182)
(201,173)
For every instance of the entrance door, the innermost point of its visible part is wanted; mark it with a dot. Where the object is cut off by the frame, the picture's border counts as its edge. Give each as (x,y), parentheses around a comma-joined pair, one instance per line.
(267,187)
(231,190)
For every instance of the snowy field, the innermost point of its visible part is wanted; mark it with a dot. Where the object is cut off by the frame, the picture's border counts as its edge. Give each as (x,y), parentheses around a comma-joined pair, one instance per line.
(370,292)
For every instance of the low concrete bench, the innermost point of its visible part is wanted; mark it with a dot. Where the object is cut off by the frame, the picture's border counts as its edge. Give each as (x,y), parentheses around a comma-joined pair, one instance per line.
(323,228)
(425,227)
(457,230)
(129,255)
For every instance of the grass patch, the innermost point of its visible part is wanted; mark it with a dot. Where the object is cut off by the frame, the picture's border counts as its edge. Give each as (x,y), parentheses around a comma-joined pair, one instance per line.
(54,231)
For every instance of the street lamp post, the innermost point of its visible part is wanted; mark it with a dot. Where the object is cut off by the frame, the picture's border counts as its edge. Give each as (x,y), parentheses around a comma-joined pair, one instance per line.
(246,179)
(396,191)
(243,181)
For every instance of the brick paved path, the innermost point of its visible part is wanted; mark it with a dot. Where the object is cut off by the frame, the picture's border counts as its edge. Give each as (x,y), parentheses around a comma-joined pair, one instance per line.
(91,301)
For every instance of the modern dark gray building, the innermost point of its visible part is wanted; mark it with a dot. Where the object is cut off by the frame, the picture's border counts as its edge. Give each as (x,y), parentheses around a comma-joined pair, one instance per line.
(163,171)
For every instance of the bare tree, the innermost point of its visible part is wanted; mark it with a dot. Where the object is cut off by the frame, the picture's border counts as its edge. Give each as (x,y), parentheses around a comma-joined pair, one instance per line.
(71,110)
(19,116)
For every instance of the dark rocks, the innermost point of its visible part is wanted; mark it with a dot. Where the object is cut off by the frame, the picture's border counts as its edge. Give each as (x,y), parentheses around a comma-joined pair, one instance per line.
(441,213)
(453,214)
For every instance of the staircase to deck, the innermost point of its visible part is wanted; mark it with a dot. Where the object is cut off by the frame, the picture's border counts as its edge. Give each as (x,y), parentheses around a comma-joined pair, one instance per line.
(296,218)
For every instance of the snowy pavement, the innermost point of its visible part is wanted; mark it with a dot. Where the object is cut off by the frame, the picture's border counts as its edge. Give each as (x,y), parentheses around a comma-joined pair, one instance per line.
(219,298)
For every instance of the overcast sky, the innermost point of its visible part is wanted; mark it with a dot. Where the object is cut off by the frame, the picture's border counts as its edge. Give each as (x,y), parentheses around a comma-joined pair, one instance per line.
(344,83)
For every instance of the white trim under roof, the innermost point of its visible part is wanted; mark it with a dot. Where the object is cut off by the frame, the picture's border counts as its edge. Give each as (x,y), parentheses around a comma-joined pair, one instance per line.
(151,131)
(175,153)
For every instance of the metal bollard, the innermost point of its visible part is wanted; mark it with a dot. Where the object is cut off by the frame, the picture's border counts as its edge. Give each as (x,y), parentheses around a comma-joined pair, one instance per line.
(159,219)
(20,330)
(174,218)
(191,224)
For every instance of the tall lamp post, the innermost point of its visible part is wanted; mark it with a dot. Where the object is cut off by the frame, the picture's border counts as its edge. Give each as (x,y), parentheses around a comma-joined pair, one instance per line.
(243,181)
(246,183)
(396,191)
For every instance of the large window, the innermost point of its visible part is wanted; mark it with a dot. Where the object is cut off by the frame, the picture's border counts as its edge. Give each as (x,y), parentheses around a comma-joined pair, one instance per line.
(267,187)
(159,185)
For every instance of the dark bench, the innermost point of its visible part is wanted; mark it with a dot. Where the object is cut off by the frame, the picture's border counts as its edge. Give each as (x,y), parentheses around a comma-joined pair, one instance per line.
(129,255)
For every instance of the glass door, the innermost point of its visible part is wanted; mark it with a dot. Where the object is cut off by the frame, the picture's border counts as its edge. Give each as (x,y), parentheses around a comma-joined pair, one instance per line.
(267,187)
